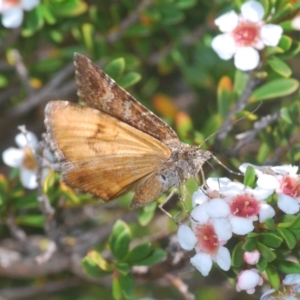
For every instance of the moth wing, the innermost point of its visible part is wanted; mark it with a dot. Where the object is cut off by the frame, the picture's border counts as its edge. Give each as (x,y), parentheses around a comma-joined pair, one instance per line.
(98,90)
(98,153)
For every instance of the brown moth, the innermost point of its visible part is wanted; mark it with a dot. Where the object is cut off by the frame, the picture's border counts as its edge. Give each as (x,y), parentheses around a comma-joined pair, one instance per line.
(114,144)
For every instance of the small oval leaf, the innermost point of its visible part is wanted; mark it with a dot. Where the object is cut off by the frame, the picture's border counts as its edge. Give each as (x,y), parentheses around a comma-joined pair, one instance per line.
(275,88)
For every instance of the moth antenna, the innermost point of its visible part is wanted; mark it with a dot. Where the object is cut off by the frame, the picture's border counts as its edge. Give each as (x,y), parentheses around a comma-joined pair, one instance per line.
(236,121)
(220,163)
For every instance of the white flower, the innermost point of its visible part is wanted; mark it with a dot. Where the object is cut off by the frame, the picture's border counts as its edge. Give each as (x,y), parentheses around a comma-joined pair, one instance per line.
(246,205)
(289,292)
(252,257)
(296,22)
(244,34)
(284,180)
(248,280)
(12,11)
(212,190)
(207,236)
(23,158)
(294,281)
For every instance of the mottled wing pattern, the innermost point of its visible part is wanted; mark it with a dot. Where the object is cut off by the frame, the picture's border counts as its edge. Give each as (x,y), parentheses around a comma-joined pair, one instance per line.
(98,153)
(98,90)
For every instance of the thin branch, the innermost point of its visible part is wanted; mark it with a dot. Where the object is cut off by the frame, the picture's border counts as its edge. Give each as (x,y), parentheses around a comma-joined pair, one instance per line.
(22,70)
(129,21)
(238,106)
(34,290)
(182,288)
(248,137)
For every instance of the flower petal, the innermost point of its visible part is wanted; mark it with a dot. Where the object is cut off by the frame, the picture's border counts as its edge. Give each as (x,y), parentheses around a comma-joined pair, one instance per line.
(199,197)
(285,170)
(12,18)
(266,295)
(271,34)
(224,46)
(199,214)
(28,178)
(223,258)
(228,21)
(296,23)
(266,181)
(252,11)
(291,279)
(261,194)
(29,4)
(217,208)
(222,229)
(215,183)
(246,58)
(186,237)
(266,211)
(202,262)
(13,157)
(288,204)
(30,140)
(240,225)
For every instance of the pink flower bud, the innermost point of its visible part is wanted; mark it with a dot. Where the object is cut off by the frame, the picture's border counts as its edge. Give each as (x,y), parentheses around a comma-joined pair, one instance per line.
(252,257)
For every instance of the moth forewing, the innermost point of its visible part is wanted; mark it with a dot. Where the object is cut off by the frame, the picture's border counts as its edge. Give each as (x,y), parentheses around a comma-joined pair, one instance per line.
(98,153)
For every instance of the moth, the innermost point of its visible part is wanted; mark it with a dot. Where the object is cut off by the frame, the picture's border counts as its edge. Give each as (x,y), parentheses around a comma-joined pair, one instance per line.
(112,143)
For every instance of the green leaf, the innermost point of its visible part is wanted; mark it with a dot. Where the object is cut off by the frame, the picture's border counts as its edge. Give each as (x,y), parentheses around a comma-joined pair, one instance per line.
(224,94)
(88,34)
(285,43)
(115,68)
(262,264)
(156,256)
(183,4)
(288,237)
(147,213)
(120,239)
(281,13)
(250,245)
(138,253)
(240,81)
(293,51)
(270,239)
(249,179)
(33,22)
(270,224)
(69,8)
(127,285)
(275,88)
(292,224)
(129,79)
(266,252)
(237,255)
(279,66)
(170,15)
(31,220)
(116,288)
(47,14)
(123,268)
(286,266)
(273,277)
(95,265)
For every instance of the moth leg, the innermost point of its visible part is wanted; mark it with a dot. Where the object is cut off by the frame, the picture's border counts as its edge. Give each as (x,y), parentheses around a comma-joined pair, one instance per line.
(164,202)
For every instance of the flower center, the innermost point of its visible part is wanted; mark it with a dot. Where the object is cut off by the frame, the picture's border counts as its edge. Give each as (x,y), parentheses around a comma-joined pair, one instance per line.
(207,238)
(29,161)
(246,34)
(244,206)
(291,186)
(7,4)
